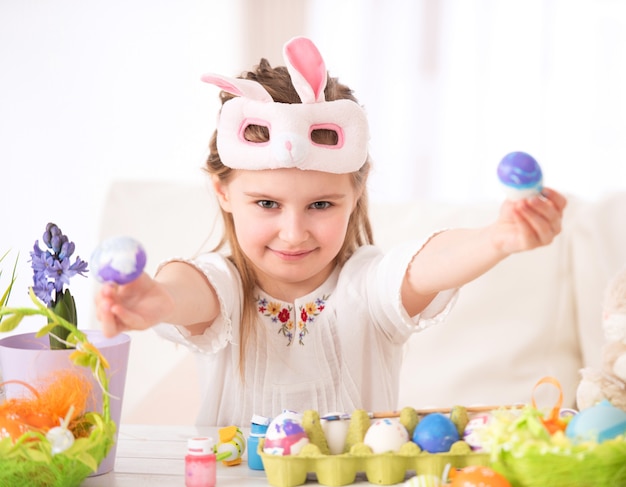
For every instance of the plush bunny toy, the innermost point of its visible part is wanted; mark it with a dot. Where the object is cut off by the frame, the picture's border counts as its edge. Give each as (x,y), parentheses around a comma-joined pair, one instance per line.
(610,381)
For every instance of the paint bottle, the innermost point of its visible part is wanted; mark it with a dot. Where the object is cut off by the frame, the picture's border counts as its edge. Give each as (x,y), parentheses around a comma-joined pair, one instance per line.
(258,428)
(200,463)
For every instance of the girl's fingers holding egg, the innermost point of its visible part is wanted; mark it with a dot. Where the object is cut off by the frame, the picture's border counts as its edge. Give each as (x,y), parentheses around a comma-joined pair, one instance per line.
(539,222)
(557,199)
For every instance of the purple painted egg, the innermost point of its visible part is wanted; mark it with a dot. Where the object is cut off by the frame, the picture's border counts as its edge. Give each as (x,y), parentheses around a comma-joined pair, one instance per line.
(285,435)
(520,175)
(118,259)
(435,433)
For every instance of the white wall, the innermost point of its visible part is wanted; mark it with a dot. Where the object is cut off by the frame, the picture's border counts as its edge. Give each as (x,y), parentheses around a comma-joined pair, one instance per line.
(91,91)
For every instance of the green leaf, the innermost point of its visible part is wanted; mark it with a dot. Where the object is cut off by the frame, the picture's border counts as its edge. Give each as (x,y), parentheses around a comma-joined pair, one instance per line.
(81,360)
(46,329)
(11,323)
(65,308)
(37,455)
(88,460)
(68,309)
(7,292)
(35,299)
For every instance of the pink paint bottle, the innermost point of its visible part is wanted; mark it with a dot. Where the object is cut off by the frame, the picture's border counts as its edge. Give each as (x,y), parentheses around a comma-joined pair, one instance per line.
(200,463)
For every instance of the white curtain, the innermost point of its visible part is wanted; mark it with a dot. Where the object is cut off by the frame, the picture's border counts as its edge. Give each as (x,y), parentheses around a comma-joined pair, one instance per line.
(451,86)
(94,91)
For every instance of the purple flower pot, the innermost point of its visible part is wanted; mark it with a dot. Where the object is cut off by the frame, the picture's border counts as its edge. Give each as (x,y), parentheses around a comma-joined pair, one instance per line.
(27,358)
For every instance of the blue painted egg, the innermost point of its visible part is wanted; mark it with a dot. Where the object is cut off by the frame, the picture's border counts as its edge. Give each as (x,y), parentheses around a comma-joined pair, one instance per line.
(598,423)
(118,259)
(285,435)
(520,175)
(435,433)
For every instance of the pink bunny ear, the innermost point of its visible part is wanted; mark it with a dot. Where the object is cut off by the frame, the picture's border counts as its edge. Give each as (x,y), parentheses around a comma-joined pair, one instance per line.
(306,68)
(240,87)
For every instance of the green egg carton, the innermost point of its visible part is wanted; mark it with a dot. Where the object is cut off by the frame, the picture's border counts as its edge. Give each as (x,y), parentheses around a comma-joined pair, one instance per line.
(381,469)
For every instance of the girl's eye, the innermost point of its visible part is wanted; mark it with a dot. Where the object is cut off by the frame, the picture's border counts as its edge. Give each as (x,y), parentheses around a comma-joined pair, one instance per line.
(268,204)
(320,205)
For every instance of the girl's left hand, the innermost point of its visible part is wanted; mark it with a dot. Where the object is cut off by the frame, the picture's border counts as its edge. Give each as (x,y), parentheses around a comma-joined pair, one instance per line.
(529,223)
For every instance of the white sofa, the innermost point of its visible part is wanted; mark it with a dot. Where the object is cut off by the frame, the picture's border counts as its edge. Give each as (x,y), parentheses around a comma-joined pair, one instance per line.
(536,314)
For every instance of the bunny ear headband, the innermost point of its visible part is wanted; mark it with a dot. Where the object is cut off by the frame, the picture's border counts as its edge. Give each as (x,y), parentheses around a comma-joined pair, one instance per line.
(291,125)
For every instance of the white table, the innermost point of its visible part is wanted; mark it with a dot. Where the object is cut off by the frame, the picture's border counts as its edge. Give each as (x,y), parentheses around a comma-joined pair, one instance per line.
(154,456)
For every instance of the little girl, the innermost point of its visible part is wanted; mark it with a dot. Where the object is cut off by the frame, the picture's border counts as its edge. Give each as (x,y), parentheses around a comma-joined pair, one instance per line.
(302,311)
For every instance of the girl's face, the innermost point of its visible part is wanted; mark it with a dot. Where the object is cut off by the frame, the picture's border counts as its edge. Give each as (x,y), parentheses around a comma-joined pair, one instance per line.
(290,223)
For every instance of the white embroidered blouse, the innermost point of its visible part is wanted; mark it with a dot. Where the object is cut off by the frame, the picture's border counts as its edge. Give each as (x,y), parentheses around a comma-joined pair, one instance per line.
(336,349)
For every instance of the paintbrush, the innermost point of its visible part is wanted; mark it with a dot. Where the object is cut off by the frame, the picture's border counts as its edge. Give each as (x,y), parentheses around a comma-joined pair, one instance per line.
(422,412)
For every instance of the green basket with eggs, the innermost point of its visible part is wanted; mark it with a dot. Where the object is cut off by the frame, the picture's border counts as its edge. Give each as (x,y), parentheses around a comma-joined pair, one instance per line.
(529,456)
(537,449)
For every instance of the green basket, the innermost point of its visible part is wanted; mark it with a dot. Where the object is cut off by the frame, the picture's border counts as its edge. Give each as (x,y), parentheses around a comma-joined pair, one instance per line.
(603,465)
(528,456)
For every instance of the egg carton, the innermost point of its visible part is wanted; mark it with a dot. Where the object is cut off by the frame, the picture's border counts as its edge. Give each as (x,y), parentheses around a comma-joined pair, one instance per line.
(343,469)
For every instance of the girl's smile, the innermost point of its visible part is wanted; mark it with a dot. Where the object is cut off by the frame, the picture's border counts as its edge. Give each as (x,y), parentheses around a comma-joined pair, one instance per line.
(290,223)
(292,255)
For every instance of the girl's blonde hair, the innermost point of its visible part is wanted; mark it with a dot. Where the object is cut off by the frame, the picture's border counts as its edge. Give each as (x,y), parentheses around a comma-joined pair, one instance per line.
(359,231)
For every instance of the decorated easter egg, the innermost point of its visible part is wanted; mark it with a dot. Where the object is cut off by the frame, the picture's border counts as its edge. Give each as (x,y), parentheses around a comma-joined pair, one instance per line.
(520,175)
(285,435)
(435,433)
(478,476)
(597,423)
(386,435)
(118,259)
(472,432)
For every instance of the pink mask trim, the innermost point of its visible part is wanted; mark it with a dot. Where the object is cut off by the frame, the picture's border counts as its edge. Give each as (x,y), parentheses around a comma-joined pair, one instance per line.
(328,126)
(253,121)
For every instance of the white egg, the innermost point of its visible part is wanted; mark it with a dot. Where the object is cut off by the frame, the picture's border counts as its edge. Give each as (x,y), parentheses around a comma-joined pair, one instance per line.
(60,439)
(336,431)
(386,435)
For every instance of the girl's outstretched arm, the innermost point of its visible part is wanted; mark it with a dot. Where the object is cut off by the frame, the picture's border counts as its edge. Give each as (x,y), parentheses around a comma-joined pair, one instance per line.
(179,294)
(455,257)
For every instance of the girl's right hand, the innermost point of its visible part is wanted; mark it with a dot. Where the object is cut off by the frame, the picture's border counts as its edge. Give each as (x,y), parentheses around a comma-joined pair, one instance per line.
(137,305)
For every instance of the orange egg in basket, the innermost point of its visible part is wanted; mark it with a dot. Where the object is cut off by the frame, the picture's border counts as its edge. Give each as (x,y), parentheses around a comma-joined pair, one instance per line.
(477,476)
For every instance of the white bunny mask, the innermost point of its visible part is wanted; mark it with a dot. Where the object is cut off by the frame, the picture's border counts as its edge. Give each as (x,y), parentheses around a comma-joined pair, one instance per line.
(291,124)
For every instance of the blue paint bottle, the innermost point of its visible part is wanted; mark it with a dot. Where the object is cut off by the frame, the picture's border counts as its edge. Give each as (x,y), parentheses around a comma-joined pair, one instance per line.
(258,429)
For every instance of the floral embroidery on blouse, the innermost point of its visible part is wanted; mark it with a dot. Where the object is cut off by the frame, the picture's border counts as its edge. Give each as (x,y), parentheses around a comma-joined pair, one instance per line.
(281,314)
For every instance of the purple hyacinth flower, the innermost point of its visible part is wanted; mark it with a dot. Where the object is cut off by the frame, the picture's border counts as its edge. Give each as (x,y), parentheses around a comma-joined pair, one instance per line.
(52,269)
